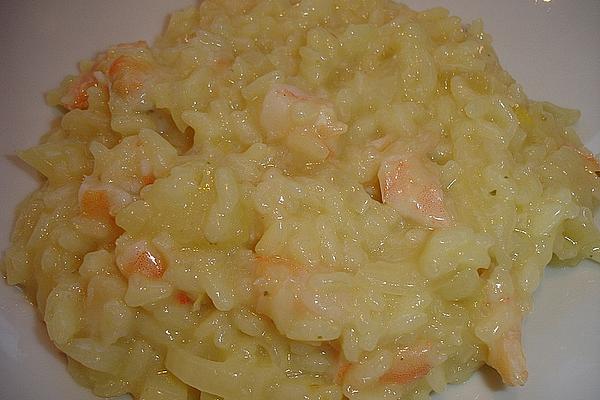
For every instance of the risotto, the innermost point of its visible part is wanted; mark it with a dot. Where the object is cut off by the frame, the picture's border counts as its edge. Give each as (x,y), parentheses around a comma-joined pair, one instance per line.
(309,199)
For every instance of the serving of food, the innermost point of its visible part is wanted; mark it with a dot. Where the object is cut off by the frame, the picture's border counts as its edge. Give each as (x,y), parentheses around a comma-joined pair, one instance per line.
(316,199)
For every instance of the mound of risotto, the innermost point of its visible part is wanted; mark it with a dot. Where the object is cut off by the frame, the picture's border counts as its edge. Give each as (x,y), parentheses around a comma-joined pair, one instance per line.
(316,199)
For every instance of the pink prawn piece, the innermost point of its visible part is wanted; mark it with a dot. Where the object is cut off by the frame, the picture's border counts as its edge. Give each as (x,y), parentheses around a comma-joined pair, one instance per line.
(413,191)
(277,107)
(125,72)
(507,358)
(77,97)
(140,257)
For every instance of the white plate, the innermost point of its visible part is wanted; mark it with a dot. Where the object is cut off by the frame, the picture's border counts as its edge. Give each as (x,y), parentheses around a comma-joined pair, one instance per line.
(550,46)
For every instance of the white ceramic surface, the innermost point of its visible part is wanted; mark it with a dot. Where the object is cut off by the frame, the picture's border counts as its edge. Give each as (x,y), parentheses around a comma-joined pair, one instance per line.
(552,47)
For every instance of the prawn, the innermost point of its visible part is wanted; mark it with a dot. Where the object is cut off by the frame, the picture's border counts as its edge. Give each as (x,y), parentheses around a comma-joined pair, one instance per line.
(285,294)
(400,367)
(277,284)
(410,365)
(127,75)
(505,350)
(117,179)
(290,113)
(140,257)
(413,190)
(99,203)
(507,358)
(123,72)
(95,204)
(101,200)
(76,96)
